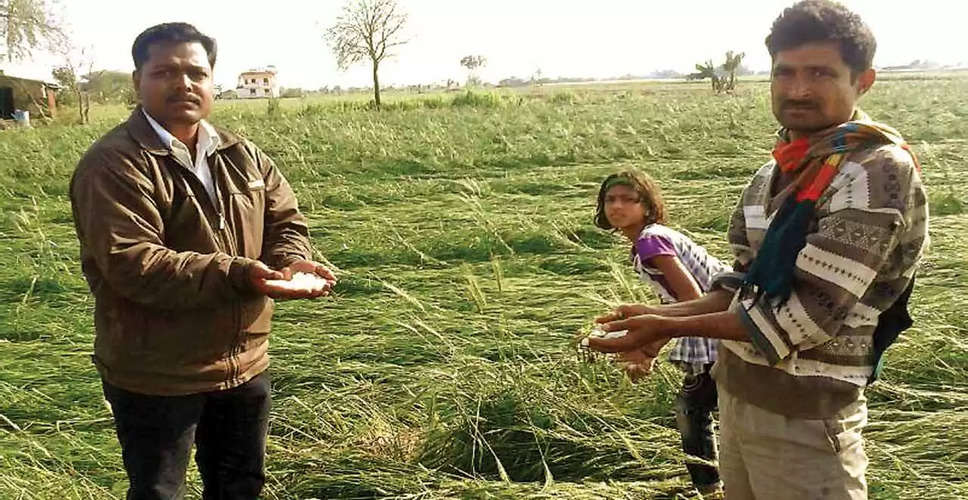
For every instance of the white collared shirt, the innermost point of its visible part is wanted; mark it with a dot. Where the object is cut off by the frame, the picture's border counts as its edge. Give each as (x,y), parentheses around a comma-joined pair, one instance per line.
(208,142)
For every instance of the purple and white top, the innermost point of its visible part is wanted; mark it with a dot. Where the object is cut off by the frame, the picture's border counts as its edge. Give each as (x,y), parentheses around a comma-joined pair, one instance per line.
(655,240)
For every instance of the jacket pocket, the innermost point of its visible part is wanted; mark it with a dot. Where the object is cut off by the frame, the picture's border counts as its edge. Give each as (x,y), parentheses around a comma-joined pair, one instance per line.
(248,213)
(131,327)
(256,316)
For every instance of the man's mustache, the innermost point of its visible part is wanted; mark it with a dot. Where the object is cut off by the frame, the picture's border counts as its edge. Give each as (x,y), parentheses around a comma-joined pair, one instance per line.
(799,104)
(185,98)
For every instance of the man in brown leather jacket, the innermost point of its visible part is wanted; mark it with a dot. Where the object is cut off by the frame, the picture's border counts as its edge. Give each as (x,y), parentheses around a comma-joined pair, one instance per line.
(187,233)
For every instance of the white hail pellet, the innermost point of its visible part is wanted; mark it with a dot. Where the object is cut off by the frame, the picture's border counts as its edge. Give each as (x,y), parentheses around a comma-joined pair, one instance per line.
(598,332)
(299,281)
(587,354)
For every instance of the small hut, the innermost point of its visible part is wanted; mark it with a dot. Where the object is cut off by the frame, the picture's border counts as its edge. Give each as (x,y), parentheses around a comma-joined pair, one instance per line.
(36,96)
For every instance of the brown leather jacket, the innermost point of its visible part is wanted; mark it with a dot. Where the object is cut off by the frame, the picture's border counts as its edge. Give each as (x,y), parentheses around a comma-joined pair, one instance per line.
(173,312)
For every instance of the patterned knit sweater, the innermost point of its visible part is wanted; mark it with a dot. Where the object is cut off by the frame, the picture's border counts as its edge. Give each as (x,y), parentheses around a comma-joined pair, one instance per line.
(812,356)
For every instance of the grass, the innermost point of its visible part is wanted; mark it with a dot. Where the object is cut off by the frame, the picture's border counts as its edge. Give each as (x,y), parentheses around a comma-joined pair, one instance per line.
(461,225)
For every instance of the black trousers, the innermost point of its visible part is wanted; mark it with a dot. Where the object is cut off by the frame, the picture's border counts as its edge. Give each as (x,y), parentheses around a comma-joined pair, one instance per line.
(228,428)
(694,416)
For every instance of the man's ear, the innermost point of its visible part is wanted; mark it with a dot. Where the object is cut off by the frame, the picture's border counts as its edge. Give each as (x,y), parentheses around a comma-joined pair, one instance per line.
(865,81)
(136,81)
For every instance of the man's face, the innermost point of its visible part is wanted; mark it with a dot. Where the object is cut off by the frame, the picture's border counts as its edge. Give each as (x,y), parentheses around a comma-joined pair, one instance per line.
(812,88)
(175,83)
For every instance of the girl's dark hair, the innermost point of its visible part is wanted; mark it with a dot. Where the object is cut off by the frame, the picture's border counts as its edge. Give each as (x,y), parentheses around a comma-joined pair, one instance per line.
(644,186)
(171,33)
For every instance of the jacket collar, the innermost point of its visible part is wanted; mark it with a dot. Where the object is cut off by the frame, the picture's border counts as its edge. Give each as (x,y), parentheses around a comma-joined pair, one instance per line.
(145,134)
(208,138)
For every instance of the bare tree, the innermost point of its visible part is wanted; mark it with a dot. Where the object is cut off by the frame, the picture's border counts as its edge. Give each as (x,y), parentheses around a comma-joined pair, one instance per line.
(25,25)
(536,77)
(472,62)
(367,29)
(732,64)
(68,75)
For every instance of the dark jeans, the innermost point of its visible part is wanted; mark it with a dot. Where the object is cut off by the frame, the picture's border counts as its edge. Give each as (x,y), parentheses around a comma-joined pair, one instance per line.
(694,416)
(228,428)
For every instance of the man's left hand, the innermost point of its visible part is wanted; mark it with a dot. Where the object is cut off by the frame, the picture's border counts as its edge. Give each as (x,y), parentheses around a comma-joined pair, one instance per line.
(310,267)
(642,331)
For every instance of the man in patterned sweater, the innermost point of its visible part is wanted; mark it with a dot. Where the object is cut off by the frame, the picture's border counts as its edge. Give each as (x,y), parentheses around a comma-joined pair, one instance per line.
(827,237)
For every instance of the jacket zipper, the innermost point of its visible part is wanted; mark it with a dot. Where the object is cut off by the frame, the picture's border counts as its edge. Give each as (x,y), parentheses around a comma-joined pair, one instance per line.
(224,245)
(236,349)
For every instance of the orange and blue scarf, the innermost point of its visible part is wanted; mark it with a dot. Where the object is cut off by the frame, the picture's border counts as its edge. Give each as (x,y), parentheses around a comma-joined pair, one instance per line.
(818,159)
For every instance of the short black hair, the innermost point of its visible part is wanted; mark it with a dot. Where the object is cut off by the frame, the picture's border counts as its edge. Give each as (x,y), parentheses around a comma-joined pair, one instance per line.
(170,33)
(824,21)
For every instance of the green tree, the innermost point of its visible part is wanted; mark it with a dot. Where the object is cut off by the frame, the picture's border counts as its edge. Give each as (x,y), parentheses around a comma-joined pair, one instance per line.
(723,77)
(733,63)
(26,25)
(367,30)
(707,70)
(109,86)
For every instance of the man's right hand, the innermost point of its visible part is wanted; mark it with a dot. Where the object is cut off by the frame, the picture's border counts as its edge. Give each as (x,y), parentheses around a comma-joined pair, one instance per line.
(625,311)
(260,276)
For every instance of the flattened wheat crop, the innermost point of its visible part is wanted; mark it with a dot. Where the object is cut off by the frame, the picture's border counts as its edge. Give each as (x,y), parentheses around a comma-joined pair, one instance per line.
(461,225)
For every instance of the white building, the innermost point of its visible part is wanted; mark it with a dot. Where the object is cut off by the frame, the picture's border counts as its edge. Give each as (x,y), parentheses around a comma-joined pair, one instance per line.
(258,83)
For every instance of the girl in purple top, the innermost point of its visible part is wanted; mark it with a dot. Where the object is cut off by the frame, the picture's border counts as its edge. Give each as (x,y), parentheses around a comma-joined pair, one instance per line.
(678,270)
